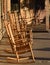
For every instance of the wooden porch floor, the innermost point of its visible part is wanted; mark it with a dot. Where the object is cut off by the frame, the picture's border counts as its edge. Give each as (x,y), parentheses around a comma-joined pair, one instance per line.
(41,48)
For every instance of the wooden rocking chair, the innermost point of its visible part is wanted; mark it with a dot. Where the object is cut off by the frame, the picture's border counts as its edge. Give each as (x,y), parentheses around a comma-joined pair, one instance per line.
(20,37)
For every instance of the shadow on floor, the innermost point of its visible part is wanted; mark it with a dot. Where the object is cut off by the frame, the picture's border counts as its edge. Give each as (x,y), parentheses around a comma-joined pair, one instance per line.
(41,58)
(42,38)
(42,49)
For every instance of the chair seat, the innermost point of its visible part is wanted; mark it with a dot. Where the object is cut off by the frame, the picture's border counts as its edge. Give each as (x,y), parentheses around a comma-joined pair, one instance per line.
(23,48)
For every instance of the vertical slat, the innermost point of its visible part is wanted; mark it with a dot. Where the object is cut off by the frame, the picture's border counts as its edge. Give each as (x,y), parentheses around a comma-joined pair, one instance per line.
(17,21)
(6,25)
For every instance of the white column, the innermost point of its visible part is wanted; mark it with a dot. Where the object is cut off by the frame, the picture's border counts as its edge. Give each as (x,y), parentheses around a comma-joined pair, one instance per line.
(47,14)
(8,5)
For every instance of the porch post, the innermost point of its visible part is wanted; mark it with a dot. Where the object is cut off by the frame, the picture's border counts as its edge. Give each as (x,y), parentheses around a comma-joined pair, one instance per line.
(47,14)
(4,6)
(8,5)
(0,22)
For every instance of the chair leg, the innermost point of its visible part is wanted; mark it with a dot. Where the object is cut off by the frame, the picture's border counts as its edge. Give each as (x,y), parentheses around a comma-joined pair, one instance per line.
(30,44)
(31,51)
(16,53)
